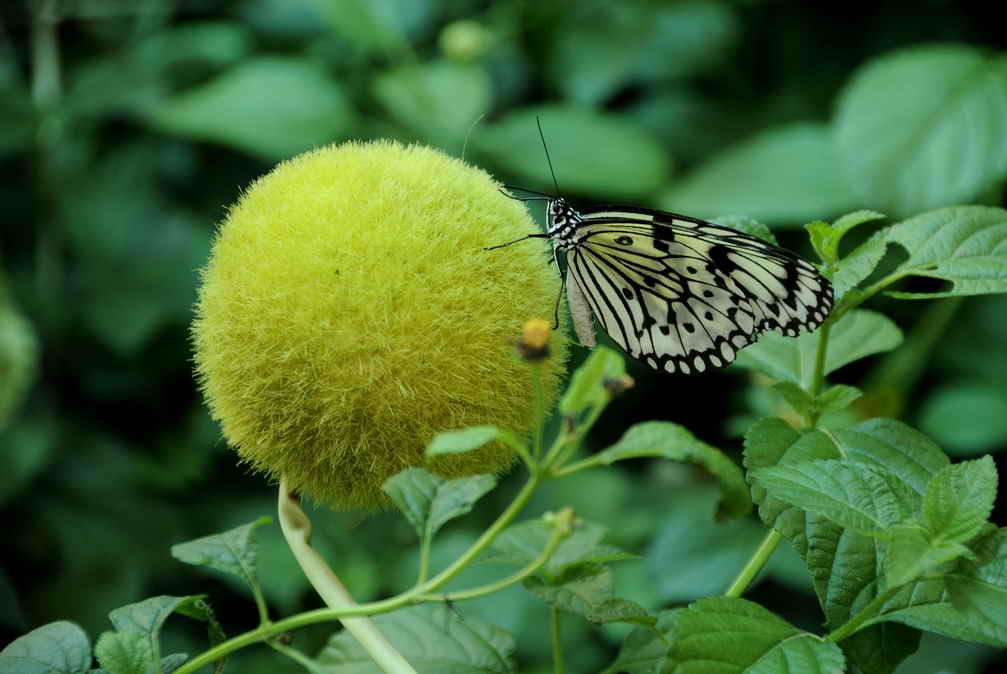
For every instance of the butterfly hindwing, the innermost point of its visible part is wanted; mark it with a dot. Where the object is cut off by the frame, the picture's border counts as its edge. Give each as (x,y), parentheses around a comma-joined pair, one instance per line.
(683,295)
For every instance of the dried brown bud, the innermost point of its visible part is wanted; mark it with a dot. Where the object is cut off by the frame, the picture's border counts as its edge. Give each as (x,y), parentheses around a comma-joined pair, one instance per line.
(618,386)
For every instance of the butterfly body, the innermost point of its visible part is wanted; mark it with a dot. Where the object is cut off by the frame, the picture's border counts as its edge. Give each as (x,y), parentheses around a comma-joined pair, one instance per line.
(679,293)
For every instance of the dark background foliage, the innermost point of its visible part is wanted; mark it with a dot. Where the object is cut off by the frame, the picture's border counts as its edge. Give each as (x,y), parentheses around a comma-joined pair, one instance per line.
(128,126)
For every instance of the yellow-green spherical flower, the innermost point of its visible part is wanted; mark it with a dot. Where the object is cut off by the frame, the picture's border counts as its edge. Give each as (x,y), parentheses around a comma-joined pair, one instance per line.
(348,313)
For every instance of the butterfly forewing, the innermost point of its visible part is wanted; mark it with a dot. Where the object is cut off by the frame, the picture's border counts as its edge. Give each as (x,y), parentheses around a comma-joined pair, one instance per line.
(683,295)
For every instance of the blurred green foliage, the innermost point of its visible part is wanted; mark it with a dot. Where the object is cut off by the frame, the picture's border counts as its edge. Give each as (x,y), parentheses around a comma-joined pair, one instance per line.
(127,127)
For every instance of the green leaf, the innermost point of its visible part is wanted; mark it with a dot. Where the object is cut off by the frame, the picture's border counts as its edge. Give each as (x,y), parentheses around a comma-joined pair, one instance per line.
(643,651)
(924,127)
(429,501)
(620,611)
(234,551)
(748,225)
(912,553)
(784,176)
(966,418)
(126,653)
(633,166)
(894,447)
(137,628)
(837,397)
(845,223)
(378,26)
(466,440)
(844,564)
(56,648)
(857,266)
(433,638)
(587,393)
(439,100)
(959,500)
(269,106)
(18,357)
(966,245)
(674,442)
(824,240)
(858,334)
(603,48)
(854,496)
(741,636)
(799,399)
(521,544)
(584,589)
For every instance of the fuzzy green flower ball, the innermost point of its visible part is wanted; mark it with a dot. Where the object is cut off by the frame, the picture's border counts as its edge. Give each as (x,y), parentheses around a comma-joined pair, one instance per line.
(348,313)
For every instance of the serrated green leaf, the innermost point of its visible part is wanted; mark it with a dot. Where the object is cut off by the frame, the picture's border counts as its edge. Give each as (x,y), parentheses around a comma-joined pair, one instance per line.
(741,636)
(201,610)
(59,647)
(643,651)
(799,399)
(837,398)
(620,611)
(857,266)
(465,440)
(272,107)
(144,618)
(586,392)
(634,165)
(234,551)
(912,553)
(429,501)
(126,653)
(854,496)
(674,442)
(433,638)
(436,99)
(845,223)
(959,499)
(843,564)
(581,590)
(858,334)
(519,545)
(824,239)
(966,245)
(903,120)
(170,663)
(784,176)
(895,447)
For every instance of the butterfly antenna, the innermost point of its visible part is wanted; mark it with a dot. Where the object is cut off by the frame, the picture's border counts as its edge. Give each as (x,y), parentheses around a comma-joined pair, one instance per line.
(538,121)
(509,243)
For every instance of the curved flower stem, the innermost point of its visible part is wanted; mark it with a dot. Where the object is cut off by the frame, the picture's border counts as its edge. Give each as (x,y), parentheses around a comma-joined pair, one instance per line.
(297,530)
(538,400)
(755,564)
(349,609)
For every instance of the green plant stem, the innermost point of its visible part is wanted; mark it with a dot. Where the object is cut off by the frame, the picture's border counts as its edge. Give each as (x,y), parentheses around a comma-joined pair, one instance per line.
(818,374)
(755,564)
(424,560)
(296,528)
(372,608)
(856,623)
(557,642)
(45,79)
(583,464)
(538,400)
(293,654)
(557,537)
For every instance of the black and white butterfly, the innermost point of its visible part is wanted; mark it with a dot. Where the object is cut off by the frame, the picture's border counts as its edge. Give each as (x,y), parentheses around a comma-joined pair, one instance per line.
(679,293)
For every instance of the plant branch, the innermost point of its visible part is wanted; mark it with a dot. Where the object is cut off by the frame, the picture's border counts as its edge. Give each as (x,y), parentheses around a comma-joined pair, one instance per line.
(557,642)
(755,564)
(297,530)
(856,623)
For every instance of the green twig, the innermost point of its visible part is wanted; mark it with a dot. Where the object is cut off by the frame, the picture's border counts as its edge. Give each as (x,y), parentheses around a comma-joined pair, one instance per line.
(755,564)
(424,560)
(557,642)
(856,623)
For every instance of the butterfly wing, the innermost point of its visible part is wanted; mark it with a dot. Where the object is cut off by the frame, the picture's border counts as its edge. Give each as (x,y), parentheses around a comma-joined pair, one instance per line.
(684,295)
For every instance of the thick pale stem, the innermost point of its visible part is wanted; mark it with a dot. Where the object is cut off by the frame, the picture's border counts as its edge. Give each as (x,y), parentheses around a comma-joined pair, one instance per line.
(297,530)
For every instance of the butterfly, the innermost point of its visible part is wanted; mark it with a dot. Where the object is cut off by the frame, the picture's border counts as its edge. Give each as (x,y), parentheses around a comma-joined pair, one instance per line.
(678,293)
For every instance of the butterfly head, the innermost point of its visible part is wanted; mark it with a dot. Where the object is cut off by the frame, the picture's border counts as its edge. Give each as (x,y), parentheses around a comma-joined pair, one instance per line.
(563,219)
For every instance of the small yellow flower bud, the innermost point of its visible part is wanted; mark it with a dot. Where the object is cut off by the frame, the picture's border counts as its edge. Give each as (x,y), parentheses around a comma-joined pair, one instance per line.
(534,344)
